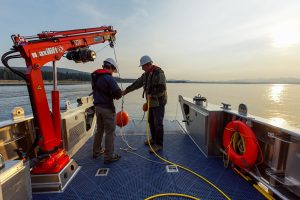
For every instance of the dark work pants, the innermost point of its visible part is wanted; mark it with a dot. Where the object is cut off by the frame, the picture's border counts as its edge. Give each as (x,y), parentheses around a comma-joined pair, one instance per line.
(156,117)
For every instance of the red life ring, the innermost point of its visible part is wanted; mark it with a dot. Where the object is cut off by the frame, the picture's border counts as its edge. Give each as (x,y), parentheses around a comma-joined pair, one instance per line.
(248,158)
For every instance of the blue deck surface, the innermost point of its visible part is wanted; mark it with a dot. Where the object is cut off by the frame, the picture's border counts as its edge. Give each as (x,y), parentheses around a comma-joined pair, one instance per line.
(136,178)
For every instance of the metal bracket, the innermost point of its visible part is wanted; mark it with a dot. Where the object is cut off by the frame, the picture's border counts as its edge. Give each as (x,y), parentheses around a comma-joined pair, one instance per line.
(281,178)
(279,137)
(18,113)
(225,106)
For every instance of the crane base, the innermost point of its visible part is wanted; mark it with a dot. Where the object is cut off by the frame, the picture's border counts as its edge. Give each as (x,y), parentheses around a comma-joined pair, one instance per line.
(54,183)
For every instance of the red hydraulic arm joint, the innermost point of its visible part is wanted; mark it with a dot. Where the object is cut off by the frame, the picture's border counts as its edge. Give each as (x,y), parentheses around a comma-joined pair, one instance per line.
(37,51)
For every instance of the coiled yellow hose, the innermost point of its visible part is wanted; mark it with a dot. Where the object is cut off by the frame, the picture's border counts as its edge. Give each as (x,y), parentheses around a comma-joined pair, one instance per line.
(180,166)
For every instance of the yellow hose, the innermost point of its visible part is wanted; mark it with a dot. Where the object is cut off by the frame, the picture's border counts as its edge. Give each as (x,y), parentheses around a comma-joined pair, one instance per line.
(257,187)
(172,194)
(182,167)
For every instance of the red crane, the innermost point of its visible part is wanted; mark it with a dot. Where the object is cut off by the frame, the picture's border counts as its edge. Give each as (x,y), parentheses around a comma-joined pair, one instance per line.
(37,51)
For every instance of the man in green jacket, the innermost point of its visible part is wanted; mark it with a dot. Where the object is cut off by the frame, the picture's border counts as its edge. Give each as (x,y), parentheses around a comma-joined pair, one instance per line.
(153,81)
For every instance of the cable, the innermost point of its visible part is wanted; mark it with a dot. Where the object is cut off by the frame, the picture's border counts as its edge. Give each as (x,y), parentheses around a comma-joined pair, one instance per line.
(122,104)
(5,58)
(176,111)
(172,194)
(180,166)
(102,48)
(141,121)
(129,151)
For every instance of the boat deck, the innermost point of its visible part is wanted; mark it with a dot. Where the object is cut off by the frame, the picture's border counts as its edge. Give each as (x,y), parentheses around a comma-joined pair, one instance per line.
(135,177)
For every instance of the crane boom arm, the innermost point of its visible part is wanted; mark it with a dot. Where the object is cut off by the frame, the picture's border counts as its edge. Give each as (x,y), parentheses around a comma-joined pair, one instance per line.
(50,47)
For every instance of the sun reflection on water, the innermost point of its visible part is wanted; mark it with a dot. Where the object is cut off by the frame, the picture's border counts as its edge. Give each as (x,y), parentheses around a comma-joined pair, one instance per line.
(277,121)
(275,93)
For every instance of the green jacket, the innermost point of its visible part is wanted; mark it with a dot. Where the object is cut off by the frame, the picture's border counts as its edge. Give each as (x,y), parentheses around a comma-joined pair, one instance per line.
(154,84)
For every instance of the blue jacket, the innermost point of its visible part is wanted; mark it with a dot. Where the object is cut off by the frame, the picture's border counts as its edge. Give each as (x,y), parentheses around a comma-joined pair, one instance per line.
(105,89)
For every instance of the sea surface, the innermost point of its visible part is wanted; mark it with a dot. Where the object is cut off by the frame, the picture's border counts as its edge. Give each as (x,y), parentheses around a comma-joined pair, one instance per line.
(279,103)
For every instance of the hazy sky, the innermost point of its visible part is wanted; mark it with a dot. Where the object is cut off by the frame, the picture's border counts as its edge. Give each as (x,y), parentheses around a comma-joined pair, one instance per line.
(189,39)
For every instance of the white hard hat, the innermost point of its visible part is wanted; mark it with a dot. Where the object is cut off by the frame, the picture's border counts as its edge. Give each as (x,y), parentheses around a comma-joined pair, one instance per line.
(144,60)
(111,61)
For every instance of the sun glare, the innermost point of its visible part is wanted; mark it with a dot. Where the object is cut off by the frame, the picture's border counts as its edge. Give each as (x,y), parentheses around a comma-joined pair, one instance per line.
(277,121)
(275,92)
(285,35)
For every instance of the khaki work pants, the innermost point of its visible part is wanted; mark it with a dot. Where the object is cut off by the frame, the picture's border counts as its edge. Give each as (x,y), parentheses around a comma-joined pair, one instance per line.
(106,123)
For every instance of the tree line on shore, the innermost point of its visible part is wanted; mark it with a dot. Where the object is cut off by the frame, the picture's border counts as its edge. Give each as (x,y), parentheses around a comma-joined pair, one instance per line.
(62,75)
(6,74)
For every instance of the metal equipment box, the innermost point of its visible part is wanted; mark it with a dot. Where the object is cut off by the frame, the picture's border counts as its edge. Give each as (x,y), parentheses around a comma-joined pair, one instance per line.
(15,181)
(203,125)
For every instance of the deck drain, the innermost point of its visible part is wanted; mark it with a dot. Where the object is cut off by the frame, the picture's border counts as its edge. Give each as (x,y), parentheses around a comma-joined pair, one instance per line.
(171,168)
(102,172)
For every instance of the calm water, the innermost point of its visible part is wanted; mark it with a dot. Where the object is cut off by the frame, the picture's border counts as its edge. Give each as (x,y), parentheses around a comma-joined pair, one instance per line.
(277,102)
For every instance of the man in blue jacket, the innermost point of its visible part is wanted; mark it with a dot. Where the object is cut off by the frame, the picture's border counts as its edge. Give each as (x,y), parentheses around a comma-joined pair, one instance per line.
(105,90)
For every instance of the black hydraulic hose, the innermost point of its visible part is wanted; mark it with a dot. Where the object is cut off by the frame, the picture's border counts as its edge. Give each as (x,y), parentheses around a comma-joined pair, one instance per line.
(5,62)
(5,58)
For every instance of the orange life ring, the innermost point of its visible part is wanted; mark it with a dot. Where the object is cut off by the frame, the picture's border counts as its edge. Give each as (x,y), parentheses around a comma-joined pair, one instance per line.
(248,158)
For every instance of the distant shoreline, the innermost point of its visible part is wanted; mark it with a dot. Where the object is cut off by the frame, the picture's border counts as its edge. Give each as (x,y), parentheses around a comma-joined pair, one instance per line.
(19,82)
(228,82)
(71,76)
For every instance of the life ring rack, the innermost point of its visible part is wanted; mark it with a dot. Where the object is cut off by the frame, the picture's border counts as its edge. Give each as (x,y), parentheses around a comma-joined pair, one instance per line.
(248,157)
